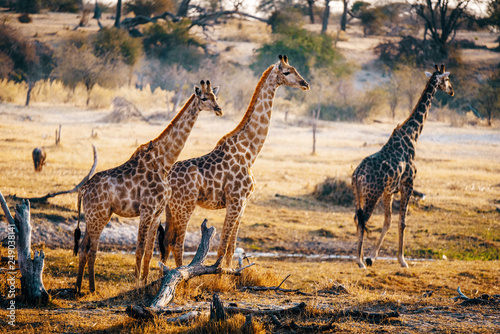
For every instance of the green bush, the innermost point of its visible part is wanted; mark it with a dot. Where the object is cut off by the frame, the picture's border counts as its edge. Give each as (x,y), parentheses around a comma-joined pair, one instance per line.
(172,43)
(116,44)
(305,50)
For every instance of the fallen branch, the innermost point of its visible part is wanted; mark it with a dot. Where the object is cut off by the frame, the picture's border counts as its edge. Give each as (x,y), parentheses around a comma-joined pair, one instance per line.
(172,277)
(75,189)
(483,300)
(278,312)
(370,316)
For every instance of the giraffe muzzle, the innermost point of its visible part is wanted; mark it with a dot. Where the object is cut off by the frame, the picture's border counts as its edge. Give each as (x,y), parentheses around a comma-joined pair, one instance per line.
(218,111)
(304,85)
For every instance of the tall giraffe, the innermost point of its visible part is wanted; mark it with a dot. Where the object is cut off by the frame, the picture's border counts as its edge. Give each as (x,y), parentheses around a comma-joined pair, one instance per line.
(223,178)
(139,187)
(392,169)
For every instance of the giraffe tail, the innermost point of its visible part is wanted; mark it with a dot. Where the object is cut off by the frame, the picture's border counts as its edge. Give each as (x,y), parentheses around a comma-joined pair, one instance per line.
(161,241)
(78,232)
(360,216)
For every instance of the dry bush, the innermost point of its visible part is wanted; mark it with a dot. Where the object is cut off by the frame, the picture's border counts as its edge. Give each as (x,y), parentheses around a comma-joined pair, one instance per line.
(334,191)
(12,92)
(258,276)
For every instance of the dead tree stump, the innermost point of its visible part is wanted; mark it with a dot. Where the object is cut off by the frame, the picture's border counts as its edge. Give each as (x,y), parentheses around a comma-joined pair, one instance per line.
(172,277)
(32,289)
(217,311)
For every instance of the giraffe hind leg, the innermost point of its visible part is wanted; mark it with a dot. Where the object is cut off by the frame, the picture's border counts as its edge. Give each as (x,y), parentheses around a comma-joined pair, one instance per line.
(363,215)
(84,248)
(387,224)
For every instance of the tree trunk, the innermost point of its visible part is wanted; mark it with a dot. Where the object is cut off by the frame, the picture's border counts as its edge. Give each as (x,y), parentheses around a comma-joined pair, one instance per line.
(183,8)
(343,19)
(31,84)
(118,16)
(32,289)
(311,10)
(326,17)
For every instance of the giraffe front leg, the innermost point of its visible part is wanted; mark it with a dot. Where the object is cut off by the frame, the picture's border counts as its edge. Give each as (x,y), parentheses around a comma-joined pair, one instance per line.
(148,253)
(387,224)
(180,216)
(144,224)
(406,192)
(233,213)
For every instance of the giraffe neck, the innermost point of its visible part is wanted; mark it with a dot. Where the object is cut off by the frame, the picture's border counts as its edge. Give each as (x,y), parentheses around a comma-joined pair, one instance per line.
(414,124)
(171,141)
(249,136)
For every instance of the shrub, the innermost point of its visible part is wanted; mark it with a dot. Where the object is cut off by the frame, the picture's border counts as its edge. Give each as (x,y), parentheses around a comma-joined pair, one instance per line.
(305,50)
(172,43)
(116,44)
(334,191)
(149,7)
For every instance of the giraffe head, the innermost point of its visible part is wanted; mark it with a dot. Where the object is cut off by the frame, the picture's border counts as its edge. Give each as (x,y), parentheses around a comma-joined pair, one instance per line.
(288,75)
(206,97)
(443,81)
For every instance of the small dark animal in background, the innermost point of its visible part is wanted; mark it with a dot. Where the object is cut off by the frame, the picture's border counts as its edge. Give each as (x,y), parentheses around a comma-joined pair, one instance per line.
(39,156)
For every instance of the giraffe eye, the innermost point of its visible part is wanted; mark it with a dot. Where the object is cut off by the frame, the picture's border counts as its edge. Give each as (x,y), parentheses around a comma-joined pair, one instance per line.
(204,99)
(287,73)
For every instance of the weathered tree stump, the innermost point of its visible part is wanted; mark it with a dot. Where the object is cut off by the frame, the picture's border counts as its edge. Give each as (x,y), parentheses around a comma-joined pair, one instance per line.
(217,312)
(32,289)
(172,277)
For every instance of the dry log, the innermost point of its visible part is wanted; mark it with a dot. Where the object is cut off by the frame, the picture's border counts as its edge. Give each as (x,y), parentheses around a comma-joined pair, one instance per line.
(32,289)
(370,316)
(297,309)
(172,277)
(75,189)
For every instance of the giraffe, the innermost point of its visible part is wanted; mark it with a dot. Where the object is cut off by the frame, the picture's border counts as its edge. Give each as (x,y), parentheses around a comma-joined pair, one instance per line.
(223,178)
(392,169)
(138,187)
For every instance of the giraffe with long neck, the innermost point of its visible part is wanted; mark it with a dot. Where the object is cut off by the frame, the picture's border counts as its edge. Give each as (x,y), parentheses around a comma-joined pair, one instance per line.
(392,169)
(223,178)
(138,187)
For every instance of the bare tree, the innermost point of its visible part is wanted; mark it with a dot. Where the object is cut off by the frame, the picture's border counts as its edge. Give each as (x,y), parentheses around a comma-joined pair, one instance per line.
(118,14)
(326,17)
(310,5)
(442,19)
(343,18)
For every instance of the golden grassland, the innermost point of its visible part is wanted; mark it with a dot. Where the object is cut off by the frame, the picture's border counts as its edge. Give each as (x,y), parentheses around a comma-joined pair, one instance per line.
(458,170)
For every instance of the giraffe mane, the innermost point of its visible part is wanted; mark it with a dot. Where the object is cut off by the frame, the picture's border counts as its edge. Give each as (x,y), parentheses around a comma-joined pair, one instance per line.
(251,106)
(150,144)
(418,102)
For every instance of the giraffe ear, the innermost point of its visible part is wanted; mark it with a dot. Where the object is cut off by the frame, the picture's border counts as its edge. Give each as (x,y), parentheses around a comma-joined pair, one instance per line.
(215,90)
(197,90)
(428,74)
(444,75)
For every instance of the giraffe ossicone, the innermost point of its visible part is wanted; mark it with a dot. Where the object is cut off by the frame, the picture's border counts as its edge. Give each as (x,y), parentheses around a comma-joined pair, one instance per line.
(138,187)
(392,170)
(223,178)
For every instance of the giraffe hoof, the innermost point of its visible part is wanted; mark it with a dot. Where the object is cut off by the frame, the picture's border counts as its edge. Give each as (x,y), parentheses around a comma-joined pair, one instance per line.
(369,262)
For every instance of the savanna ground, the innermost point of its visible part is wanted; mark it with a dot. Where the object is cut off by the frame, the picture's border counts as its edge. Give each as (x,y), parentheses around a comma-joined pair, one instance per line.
(458,170)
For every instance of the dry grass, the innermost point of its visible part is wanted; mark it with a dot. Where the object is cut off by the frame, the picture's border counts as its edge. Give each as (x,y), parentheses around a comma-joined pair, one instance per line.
(458,170)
